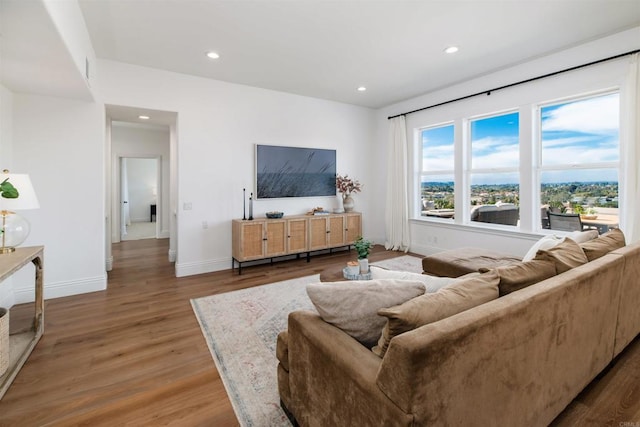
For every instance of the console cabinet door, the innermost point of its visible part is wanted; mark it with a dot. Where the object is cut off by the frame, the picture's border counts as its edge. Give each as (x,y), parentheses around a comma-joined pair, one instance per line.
(275,238)
(318,233)
(297,235)
(248,241)
(337,226)
(353,228)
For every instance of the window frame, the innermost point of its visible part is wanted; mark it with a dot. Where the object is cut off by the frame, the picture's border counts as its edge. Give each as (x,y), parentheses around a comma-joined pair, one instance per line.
(530,168)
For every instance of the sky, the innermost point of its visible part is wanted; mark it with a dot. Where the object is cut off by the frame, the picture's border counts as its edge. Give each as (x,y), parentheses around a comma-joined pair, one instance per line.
(573,134)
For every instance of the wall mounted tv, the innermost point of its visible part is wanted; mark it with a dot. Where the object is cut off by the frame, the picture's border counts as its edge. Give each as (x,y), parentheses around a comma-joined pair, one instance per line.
(294,172)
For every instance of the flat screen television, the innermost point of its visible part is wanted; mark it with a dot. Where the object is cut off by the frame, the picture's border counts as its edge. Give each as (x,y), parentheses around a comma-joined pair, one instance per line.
(294,172)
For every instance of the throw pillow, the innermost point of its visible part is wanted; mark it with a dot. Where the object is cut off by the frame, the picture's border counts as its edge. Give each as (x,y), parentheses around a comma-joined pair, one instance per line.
(452,299)
(431,283)
(565,255)
(353,305)
(547,242)
(518,276)
(604,244)
(583,236)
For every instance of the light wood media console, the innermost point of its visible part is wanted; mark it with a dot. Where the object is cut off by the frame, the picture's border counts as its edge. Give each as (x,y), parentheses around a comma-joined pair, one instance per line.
(266,238)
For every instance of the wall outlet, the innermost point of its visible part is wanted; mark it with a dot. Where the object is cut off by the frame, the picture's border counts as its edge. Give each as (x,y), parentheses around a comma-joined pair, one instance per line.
(187,206)
(205,225)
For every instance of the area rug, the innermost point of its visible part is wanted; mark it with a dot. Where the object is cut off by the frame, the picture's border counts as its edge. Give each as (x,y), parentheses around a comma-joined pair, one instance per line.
(241,329)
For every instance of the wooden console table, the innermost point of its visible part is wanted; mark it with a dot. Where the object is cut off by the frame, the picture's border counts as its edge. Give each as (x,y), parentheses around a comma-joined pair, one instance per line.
(22,343)
(264,238)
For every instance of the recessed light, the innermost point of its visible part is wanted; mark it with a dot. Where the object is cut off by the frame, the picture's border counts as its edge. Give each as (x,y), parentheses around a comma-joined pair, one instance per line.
(213,55)
(362,89)
(451,49)
(143,117)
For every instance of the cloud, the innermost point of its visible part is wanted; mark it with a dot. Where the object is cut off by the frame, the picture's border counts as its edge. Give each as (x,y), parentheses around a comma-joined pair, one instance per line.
(569,155)
(492,142)
(600,115)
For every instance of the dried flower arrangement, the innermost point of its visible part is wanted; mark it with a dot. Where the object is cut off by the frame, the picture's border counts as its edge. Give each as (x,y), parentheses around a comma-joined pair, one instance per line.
(346,185)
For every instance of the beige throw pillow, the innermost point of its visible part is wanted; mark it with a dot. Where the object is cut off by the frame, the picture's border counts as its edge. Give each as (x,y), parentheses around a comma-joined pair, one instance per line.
(518,276)
(609,241)
(353,305)
(565,256)
(431,283)
(431,307)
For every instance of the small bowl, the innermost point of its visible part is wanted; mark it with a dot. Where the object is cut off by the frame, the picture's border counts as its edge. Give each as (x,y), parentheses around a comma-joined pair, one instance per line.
(274,214)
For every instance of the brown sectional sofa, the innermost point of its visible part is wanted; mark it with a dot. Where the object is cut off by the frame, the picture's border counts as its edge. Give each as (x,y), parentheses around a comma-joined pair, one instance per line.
(516,360)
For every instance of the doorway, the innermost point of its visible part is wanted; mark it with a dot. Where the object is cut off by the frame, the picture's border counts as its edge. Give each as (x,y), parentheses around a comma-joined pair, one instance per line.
(145,147)
(140,180)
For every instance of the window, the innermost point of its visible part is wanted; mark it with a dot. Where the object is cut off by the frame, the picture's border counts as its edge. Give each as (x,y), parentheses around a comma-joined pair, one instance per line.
(573,165)
(494,173)
(580,158)
(437,171)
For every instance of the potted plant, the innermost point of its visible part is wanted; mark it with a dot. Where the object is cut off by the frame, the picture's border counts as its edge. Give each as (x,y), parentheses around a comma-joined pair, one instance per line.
(363,247)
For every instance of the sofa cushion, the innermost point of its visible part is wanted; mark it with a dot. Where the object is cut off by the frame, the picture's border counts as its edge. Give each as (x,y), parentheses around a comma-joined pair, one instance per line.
(518,276)
(431,307)
(353,305)
(458,262)
(431,283)
(609,241)
(565,255)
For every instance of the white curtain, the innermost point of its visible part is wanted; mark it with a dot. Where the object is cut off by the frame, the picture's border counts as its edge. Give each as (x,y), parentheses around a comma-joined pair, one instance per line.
(397,207)
(630,140)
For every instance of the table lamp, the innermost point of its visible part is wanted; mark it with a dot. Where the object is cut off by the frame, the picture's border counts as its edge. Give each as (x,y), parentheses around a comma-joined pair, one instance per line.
(14,229)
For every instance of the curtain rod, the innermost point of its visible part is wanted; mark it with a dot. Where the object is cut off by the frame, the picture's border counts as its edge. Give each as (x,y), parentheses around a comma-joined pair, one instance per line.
(488,92)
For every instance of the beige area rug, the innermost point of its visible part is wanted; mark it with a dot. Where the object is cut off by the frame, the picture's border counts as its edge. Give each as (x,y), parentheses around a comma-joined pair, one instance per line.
(241,328)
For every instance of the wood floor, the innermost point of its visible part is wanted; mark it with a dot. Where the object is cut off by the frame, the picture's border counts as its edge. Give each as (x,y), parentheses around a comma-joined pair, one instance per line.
(134,354)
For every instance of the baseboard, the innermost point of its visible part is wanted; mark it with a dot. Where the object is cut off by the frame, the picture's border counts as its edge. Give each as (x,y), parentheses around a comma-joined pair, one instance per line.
(164,234)
(172,255)
(63,289)
(424,249)
(200,267)
(109,263)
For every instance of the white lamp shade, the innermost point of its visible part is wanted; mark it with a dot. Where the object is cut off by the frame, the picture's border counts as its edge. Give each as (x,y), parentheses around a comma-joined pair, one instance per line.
(26,199)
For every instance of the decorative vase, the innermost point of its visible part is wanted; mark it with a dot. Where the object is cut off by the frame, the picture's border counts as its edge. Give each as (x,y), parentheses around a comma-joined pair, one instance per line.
(347,203)
(364,265)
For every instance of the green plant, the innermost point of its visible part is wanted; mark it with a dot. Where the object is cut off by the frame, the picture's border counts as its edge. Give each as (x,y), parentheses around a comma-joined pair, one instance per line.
(363,247)
(577,208)
(7,190)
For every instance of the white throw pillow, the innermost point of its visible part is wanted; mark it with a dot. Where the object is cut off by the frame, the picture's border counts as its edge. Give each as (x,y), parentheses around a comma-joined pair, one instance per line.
(547,242)
(431,283)
(353,305)
(583,236)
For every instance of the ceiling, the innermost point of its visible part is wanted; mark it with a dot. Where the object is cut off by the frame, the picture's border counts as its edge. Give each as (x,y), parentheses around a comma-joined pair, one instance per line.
(319,48)
(326,49)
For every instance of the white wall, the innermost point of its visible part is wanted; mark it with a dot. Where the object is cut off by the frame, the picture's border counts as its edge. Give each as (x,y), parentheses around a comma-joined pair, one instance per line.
(128,140)
(6,136)
(431,236)
(218,125)
(60,144)
(69,22)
